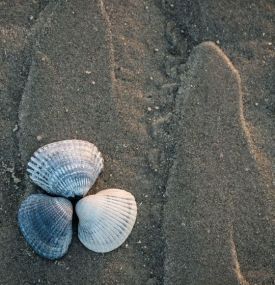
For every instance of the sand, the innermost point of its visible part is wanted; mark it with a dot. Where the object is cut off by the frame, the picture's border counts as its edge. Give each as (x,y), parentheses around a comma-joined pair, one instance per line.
(179,97)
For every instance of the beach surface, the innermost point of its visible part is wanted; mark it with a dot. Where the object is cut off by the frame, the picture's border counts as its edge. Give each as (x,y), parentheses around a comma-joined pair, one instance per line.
(179,98)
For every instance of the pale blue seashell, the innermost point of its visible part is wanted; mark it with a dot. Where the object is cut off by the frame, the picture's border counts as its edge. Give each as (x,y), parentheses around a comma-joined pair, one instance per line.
(66,168)
(46,224)
(106,219)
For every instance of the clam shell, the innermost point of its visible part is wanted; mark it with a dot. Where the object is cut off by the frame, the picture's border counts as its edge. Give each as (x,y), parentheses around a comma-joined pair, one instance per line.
(106,219)
(66,168)
(46,224)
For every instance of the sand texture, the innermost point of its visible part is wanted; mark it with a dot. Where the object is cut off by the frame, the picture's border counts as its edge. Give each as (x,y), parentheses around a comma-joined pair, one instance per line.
(179,97)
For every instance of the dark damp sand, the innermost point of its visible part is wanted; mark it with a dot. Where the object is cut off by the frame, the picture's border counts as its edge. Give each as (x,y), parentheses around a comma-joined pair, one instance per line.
(198,158)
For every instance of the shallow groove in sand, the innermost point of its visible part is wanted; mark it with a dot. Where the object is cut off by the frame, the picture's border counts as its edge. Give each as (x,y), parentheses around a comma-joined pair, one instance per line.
(119,83)
(160,129)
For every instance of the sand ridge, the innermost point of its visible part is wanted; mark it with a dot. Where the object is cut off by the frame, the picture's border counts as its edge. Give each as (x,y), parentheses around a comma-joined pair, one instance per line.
(214,182)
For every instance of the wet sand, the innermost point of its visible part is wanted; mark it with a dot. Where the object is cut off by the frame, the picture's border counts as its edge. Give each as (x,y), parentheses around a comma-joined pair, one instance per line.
(179,97)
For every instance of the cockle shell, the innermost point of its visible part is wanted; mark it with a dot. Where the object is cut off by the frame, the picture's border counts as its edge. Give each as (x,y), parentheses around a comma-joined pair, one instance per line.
(67,168)
(46,224)
(106,219)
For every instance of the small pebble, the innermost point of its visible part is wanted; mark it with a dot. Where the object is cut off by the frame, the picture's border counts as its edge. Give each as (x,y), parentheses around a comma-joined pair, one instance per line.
(15,179)
(88,72)
(173,72)
(39,138)
(256,104)
(93,82)
(15,128)
(149,109)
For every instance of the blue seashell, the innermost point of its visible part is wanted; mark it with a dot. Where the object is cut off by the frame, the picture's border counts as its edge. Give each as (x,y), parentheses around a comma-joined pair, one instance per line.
(66,168)
(106,219)
(46,224)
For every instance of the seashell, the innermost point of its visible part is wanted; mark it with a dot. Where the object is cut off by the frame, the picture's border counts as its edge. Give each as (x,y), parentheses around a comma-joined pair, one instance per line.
(106,219)
(46,224)
(67,168)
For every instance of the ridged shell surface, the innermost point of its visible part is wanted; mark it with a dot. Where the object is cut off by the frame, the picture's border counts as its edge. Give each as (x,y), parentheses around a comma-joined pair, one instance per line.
(66,168)
(46,224)
(106,219)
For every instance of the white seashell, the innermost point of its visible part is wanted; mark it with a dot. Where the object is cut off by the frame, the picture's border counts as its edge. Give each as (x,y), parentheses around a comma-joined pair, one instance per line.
(67,168)
(46,224)
(106,219)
